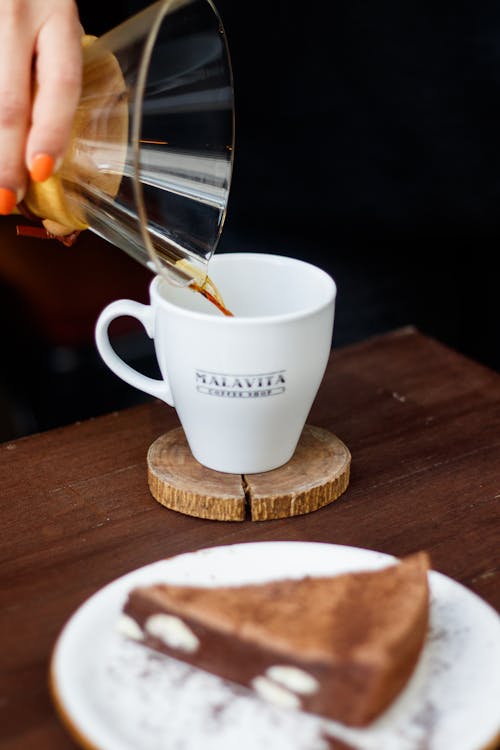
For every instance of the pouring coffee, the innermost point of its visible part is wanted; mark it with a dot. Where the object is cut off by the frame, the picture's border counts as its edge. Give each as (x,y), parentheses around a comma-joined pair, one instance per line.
(150,160)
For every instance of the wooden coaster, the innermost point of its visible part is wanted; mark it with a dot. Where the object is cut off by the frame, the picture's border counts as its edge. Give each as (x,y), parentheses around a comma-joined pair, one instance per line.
(317,475)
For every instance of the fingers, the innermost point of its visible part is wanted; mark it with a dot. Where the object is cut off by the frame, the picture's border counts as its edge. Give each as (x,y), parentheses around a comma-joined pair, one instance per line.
(58,75)
(15,103)
(40,82)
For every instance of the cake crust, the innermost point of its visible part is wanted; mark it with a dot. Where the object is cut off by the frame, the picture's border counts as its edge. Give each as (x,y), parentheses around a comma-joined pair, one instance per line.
(342,646)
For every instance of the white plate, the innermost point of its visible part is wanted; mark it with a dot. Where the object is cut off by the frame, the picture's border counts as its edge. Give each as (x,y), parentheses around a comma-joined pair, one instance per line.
(114,694)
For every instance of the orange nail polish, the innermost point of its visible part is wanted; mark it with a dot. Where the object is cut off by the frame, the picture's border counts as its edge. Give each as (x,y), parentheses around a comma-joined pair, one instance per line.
(42,167)
(7,201)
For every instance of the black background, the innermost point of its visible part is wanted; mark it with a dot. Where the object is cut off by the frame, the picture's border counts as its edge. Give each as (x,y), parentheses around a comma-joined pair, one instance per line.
(367,140)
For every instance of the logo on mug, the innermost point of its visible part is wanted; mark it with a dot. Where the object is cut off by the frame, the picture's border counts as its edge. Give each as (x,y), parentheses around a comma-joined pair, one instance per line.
(240,386)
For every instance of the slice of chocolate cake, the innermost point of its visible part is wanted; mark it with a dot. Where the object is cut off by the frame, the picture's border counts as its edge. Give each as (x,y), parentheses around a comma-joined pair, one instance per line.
(341,646)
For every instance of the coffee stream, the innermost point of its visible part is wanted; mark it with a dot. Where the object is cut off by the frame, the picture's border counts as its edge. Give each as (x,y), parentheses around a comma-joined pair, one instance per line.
(200,282)
(215,300)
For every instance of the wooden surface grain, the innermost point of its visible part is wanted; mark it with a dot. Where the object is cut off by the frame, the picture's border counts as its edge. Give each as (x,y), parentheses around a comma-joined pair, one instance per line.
(422,424)
(317,474)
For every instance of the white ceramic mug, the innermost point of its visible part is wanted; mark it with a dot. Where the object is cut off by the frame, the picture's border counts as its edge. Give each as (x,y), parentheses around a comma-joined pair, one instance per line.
(242,386)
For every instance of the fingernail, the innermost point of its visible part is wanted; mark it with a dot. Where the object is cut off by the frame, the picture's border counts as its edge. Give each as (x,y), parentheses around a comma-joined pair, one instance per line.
(42,167)
(8,201)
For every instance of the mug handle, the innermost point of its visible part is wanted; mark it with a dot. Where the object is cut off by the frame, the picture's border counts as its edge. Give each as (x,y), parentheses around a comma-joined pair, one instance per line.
(145,315)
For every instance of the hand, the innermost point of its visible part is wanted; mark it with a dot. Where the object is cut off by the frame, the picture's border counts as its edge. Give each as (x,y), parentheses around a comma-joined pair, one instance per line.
(40,84)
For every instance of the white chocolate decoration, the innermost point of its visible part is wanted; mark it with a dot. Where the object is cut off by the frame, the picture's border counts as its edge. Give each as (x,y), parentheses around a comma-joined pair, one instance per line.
(274,693)
(128,627)
(173,632)
(294,679)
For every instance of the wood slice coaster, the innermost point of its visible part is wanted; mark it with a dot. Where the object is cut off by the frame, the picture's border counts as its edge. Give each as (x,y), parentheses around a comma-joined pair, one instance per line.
(317,474)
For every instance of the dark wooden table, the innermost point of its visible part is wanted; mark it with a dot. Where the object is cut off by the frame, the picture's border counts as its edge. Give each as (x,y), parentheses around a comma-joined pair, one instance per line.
(423,426)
